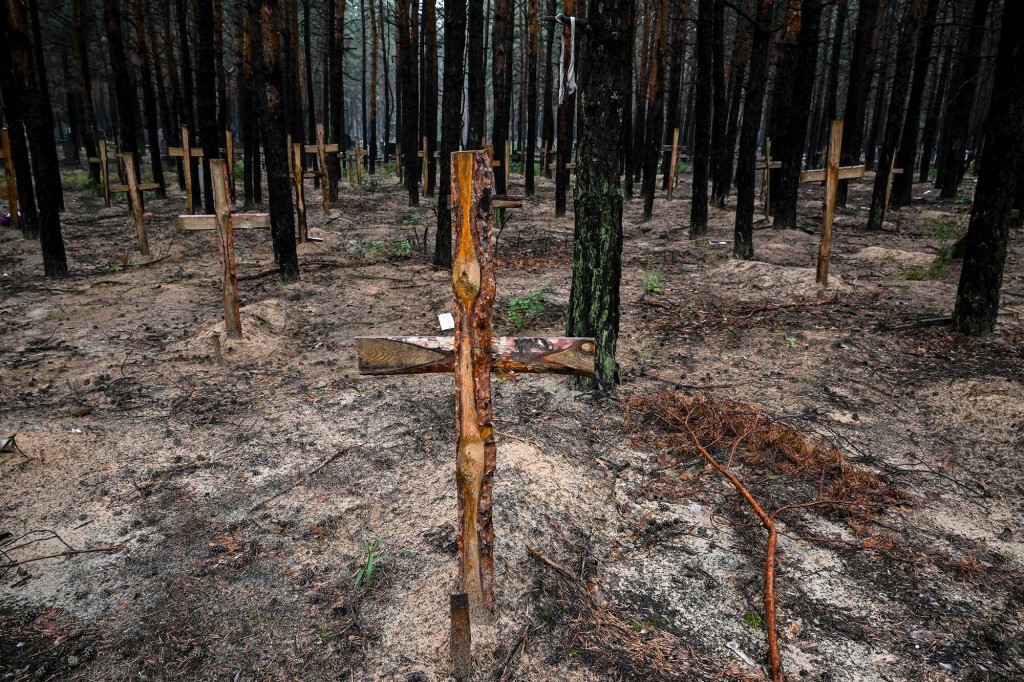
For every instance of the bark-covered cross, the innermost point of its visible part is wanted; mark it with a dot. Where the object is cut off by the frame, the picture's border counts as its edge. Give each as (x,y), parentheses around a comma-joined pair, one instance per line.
(472,354)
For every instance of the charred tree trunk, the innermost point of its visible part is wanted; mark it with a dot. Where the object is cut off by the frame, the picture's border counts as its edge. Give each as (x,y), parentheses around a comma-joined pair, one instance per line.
(635,164)
(476,77)
(743,244)
(430,88)
(81,55)
(830,110)
(222,83)
(882,91)
(451,122)
(938,96)
(677,15)
(124,86)
(737,72)
(532,49)
(272,123)
(702,115)
(902,184)
(597,254)
(169,122)
(307,54)
(720,148)
(548,119)
(22,174)
(248,96)
(566,119)
(388,95)
(655,109)
(372,156)
(501,66)
(336,127)
(959,101)
(999,175)
(187,82)
(43,89)
(405,77)
(857,90)
(897,110)
(19,84)
(792,104)
(206,96)
(149,99)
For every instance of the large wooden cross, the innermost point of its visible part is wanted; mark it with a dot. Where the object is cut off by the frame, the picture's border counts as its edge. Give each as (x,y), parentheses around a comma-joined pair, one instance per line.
(225,224)
(893,172)
(767,165)
(472,354)
(103,160)
(187,154)
(355,155)
(321,149)
(673,162)
(831,175)
(12,184)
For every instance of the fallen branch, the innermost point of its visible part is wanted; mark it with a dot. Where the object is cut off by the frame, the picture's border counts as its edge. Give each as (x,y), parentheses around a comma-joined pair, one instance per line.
(552,563)
(299,481)
(774,660)
(11,564)
(783,306)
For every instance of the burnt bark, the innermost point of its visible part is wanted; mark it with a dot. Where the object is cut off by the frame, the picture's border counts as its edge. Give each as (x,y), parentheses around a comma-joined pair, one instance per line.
(501,67)
(81,56)
(702,119)
(206,96)
(566,112)
(655,110)
(372,147)
(938,96)
(149,99)
(451,122)
(336,125)
(677,30)
(24,104)
(999,175)
(272,125)
(737,72)
(405,76)
(721,149)
(548,118)
(903,183)
(52,165)
(429,92)
(248,96)
(476,78)
(532,49)
(743,242)
(597,253)
(856,92)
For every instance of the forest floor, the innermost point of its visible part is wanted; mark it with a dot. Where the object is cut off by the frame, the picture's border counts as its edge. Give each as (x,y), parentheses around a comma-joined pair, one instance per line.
(229,511)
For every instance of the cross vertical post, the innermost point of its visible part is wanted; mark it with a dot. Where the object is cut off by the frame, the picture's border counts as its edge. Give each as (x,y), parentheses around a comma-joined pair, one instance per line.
(766,179)
(136,202)
(186,153)
(398,160)
(673,168)
(321,159)
(357,155)
(893,171)
(226,241)
(229,138)
(835,140)
(300,197)
(12,183)
(105,173)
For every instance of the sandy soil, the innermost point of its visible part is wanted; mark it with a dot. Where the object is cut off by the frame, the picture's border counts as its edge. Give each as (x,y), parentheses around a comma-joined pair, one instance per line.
(229,508)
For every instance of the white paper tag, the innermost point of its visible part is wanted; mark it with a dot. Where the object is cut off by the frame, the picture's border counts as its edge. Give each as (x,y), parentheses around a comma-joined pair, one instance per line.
(446,321)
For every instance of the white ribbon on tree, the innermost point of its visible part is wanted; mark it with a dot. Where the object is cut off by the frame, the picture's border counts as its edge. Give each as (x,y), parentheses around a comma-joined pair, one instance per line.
(567,81)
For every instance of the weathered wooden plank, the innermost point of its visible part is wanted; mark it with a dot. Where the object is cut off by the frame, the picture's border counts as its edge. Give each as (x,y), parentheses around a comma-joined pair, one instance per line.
(300,195)
(388,355)
(226,241)
(473,283)
(321,159)
(133,196)
(673,168)
(845,173)
(831,186)
(240,221)
(461,639)
(104,172)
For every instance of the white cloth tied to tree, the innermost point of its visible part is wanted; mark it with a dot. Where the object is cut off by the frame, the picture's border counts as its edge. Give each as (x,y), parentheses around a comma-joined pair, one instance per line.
(567,81)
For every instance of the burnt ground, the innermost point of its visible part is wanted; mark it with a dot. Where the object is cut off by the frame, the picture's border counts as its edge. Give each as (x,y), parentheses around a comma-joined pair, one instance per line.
(223,516)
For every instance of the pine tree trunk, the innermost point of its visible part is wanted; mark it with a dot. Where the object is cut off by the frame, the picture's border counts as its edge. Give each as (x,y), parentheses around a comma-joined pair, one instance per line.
(22,174)
(501,66)
(307,59)
(124,86)
(372,161)
(81,55)
(999,174)
(187,80)
(19,86)
(639,136)
(222,84)
(959,102)
(405,77)
(737,71)
(169,122)
(250,108)
(792,102)
(677,20)
(903,184)
(597,254)
(702,118)
(655,110)
(362,69)
(271,76)
(720,148)
(388,95)
(566,118)
(149,99)
(532,49)
(206,96)
(743,243)
(879,104)
(430,89)
(172,130)
(475,74)
(548,118)
(897,110)
(937,98)
(46,109)
(856,91)
(336,129)
(451,123)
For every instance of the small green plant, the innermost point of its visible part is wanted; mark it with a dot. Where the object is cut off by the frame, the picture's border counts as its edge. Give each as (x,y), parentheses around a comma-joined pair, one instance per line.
(531,304)
(371,183)
(365,249)
(398,248)
(372,566)
(652,282)
(963,199)
(752,619)
(239,171)
(414,219)
(791,341)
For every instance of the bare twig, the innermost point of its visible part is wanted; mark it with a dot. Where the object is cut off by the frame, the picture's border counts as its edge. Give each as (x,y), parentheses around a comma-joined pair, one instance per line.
(299,481)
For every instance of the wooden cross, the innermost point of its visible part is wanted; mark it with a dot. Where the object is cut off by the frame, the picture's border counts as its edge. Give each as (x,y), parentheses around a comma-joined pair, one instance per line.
(300,195)
(229,151)
(544,152)
(134,190)
(186,153)
(831,175)
(357,154)
(472,354)
(103,160)
(674,163)
(766,166)
(893,172)
(226,224)
(398,160)
(321,149)
(12,183)
(424,153)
